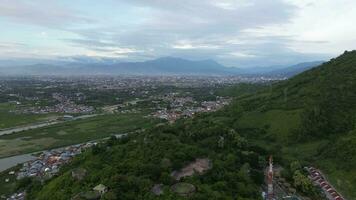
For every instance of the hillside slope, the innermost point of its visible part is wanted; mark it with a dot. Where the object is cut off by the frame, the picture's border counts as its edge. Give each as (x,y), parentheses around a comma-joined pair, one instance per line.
(295,69)
(308,117)
(131,166)
(326,95)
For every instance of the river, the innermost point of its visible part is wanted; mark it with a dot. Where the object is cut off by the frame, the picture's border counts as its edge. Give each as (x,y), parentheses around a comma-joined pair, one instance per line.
(6,163)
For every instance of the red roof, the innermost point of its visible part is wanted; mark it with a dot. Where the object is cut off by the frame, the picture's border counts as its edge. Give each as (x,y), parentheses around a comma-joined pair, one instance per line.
(335,195)
(316,178)
(330,189)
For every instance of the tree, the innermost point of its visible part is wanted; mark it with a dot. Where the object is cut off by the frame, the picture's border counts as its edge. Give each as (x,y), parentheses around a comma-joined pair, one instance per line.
(295,165)
(302,182)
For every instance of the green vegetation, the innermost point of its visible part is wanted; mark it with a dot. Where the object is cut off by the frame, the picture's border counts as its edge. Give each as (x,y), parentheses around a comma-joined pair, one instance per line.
(8,188)
(131,166)
(309,117)
(243,89)
(8,119)
(183,189)
(306,120)
(71,132)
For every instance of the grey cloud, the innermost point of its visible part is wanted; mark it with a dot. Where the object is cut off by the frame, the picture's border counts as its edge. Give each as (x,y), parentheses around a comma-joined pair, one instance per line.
(90,43)
(12,44)
(200,22)
(166,23)
(47,13)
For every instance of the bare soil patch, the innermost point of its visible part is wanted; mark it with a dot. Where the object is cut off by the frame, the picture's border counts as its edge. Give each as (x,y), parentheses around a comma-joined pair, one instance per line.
(199,166)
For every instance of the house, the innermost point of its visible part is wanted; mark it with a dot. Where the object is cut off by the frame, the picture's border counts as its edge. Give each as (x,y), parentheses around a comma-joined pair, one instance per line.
(100,188)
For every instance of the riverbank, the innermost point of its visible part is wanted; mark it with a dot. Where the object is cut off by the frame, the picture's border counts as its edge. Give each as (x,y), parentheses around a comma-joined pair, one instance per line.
(40,125)
(7,163)
(72,132)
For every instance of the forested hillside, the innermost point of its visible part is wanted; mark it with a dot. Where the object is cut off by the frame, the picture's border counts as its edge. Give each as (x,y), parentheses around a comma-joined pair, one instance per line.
(131,166)
(310,117)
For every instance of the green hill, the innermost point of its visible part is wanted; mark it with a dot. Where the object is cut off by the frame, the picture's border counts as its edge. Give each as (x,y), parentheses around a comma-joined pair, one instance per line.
(310,117)
(323,97)
(131,166)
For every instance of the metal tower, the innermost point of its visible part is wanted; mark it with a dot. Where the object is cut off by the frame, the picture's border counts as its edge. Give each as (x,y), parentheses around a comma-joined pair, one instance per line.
(270,194)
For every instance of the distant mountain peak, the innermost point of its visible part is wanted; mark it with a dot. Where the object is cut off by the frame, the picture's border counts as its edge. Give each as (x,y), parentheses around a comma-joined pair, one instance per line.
(168,65)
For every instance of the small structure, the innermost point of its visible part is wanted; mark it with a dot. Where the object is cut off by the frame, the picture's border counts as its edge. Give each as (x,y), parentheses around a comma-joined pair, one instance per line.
(183,189)
(100,188)
(68,117)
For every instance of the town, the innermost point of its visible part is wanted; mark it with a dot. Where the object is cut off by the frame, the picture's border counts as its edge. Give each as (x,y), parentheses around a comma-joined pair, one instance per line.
(65,105)
(179,107)
(46,165)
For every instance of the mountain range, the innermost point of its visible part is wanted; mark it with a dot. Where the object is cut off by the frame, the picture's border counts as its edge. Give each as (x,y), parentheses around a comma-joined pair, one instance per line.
(160,66)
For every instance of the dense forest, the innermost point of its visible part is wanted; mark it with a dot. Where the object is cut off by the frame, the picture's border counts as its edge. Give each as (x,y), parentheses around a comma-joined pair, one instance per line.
(131,166)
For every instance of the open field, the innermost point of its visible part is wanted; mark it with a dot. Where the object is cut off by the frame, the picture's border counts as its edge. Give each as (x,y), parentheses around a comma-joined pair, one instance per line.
(71,132)
(8,119)
(271,122)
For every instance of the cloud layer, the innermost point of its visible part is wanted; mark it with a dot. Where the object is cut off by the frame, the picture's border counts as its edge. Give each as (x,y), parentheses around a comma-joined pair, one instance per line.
(235,32)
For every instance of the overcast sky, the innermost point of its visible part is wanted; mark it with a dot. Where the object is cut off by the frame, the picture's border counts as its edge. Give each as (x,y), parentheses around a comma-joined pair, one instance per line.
(233,32)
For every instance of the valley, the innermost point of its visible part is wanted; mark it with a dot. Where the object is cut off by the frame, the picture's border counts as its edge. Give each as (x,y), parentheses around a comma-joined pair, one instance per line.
(168,128)
(177,100)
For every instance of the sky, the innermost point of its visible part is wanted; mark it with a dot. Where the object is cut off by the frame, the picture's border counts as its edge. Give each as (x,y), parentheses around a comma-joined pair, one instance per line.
(241,33)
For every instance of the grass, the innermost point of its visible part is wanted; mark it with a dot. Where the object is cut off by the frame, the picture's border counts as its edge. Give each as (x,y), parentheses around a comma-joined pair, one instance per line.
(183,188)
(271,122)
(8,119)
(303,151)
(71,132)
